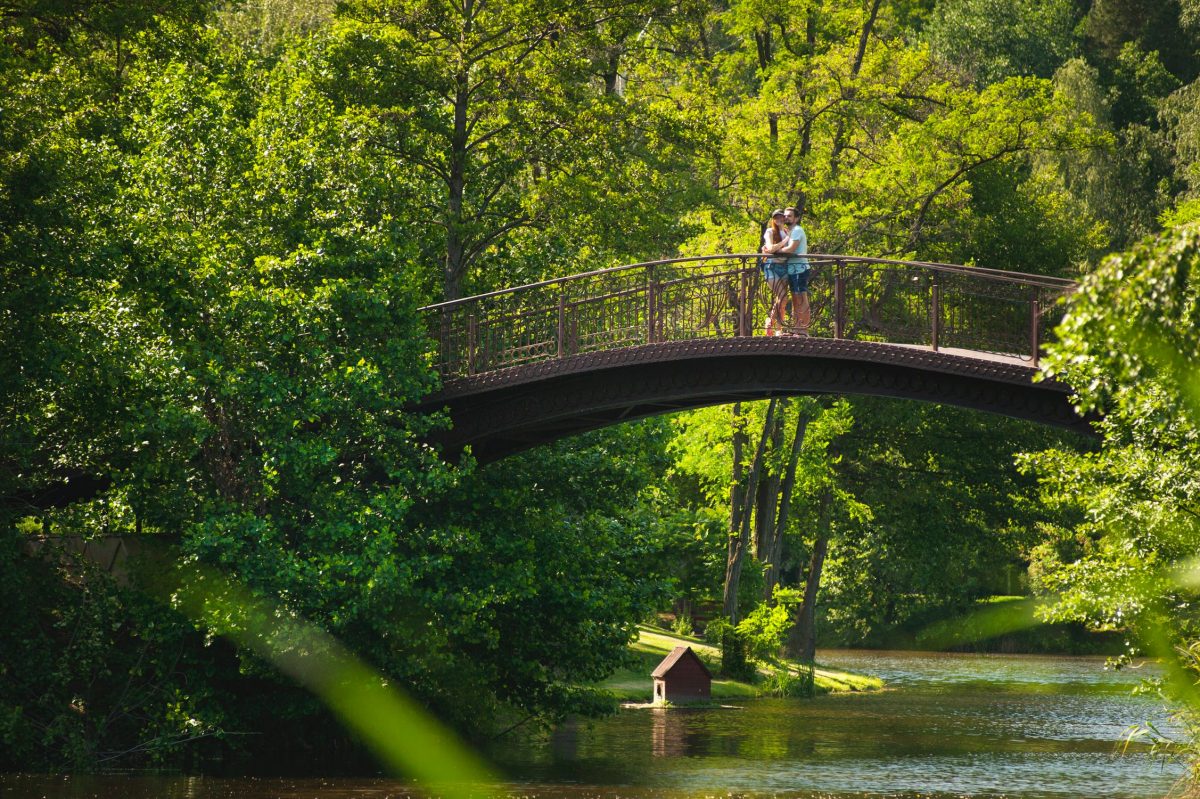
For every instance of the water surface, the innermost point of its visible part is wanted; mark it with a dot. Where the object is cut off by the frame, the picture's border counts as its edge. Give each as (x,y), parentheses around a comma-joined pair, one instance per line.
(949,725)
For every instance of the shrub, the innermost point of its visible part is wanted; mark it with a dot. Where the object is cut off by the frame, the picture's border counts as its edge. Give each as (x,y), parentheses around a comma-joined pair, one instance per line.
(764,630)
(714,631)
(683,625)
(785,684)
(734,663)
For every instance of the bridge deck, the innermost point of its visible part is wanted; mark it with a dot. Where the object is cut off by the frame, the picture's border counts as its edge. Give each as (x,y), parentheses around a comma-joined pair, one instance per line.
(533,363)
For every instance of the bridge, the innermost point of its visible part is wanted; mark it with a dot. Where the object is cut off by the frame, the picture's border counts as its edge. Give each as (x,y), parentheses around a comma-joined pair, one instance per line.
(535,363)
(531,364)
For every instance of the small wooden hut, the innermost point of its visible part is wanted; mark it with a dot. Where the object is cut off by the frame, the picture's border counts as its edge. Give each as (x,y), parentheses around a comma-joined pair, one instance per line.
(682,677)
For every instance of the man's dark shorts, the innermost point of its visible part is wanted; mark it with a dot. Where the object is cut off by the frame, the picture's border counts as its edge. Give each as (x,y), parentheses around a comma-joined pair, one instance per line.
(798,283)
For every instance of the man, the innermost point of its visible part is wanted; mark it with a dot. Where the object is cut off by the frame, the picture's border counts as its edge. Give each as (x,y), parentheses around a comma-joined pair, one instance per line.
(798,269)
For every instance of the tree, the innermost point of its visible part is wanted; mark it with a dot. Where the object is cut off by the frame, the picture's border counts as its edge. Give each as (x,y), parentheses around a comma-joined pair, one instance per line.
(779,492)
(1124,558)
(953,520)
(1166,28)
(992,40)
(267,24)
(258,315)
(827,498)
(1128,343)
(496,106)
(873,138)
(542,567)
(63,73)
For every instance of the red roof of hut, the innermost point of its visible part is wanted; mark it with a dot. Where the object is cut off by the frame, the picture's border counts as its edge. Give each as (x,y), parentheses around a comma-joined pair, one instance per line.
(672,660)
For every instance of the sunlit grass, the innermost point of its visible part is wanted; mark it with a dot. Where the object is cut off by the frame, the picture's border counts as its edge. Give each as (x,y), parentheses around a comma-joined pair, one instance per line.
(651,646)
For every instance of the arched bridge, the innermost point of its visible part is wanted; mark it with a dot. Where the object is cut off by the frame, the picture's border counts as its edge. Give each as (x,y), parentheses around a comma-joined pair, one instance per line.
(534,363)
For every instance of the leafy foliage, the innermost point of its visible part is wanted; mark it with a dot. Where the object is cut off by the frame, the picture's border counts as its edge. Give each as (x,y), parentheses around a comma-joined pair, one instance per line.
(764,629)
(952,519)
(996,39)
(1128,344)
(240,351)
(89,673)
(217,223)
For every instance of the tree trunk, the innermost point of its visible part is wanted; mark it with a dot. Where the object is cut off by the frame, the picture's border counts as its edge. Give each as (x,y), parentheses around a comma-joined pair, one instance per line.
(456,251)
(775,561)
(613,86)
(766,51)
(740,541)
(798,189)
(736,502)
(764,514)
(737,489)
(802,640)
(768,491)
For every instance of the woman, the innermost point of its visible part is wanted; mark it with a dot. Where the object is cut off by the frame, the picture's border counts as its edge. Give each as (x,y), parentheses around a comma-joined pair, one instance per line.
(775,271)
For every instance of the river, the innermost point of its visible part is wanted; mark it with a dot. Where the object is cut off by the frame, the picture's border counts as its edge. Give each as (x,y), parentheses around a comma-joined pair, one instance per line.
(949,725)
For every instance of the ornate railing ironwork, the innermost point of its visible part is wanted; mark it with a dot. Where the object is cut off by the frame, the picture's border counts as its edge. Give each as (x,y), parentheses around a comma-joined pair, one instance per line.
(721,296)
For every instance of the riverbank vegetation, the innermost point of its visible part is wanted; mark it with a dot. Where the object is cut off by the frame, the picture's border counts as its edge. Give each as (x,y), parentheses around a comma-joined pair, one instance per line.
(218,221)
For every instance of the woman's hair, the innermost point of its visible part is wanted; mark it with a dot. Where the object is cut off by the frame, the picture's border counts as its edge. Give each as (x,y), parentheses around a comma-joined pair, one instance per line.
(776,233)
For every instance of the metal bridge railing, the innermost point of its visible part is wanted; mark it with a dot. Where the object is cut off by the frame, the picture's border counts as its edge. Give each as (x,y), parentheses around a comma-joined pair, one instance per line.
(725,296)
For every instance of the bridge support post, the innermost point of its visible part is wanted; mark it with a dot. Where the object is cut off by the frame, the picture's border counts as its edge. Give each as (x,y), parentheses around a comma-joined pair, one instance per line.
(839,300)
(651,302)
(743,326)
(1034,331)
(562,324)
(446,352)
(935,313)
(472,339)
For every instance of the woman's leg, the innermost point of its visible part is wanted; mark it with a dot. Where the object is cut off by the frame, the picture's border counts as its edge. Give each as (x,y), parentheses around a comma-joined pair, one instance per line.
(801,312)
(779,305)
(776,319)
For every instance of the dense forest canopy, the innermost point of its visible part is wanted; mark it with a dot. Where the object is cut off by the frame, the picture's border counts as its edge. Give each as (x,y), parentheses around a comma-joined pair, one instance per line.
(218,221)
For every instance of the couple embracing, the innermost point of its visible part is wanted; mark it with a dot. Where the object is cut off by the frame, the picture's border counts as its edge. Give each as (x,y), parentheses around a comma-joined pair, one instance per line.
(787,271)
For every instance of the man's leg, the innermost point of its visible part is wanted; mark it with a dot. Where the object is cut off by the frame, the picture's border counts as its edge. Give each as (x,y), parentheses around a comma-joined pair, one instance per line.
(798,283)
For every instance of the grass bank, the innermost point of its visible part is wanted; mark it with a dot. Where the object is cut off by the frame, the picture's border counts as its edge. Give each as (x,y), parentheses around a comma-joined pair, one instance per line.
(634,685)
(1001,624)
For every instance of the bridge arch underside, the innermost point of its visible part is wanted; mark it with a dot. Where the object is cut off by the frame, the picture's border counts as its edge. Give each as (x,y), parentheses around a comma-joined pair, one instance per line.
(506,411)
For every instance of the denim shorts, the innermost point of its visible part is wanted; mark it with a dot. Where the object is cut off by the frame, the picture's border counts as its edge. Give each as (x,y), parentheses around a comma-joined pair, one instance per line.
(774,270)
(798,282)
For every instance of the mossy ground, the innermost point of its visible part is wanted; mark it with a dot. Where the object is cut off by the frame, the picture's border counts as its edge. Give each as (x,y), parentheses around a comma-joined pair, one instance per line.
(633,684)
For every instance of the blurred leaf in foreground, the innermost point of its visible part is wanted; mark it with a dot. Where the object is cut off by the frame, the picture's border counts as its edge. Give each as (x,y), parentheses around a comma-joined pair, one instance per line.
(407,740)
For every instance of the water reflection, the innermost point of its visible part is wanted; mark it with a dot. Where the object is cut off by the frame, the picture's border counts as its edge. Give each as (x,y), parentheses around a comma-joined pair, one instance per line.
(668,732)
